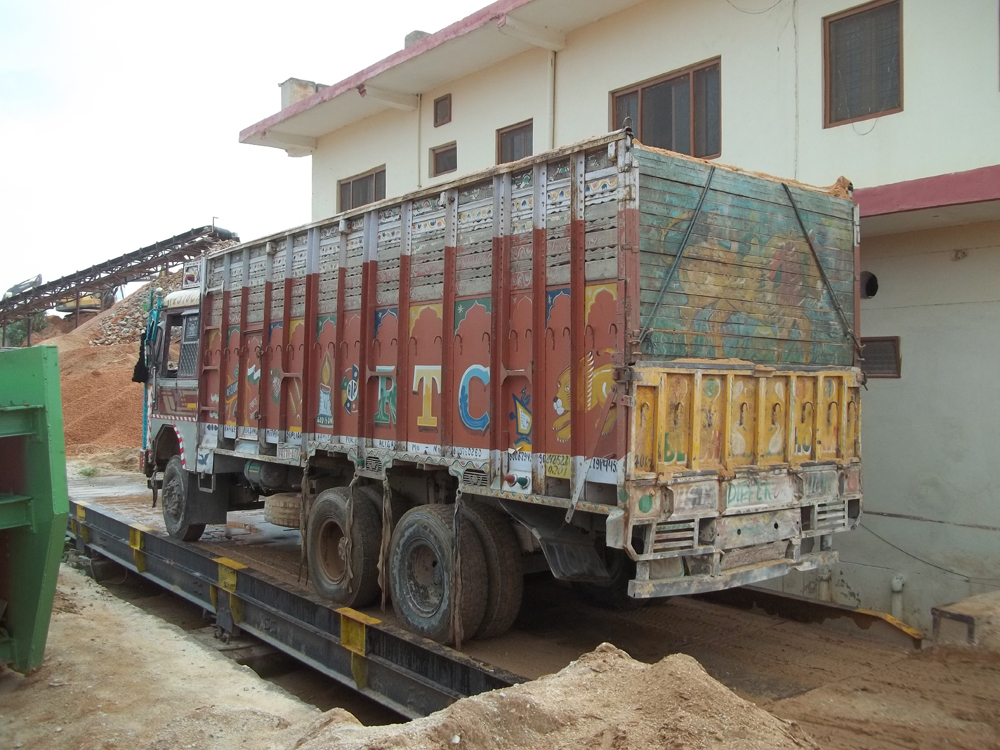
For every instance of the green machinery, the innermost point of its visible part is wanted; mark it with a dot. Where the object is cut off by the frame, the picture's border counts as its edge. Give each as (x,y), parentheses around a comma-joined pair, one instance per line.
(33,500)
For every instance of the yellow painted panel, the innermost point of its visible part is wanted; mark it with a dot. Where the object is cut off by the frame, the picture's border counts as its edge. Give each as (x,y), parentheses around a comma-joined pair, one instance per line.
(803,418)
(774,432)
(722,420)
(830,418)
(743,421)
(674,450)
(644,448)
(353,628)
(710,416)
(852,445)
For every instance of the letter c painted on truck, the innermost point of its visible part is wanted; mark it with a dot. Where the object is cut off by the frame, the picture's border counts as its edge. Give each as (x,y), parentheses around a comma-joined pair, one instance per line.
(482,374)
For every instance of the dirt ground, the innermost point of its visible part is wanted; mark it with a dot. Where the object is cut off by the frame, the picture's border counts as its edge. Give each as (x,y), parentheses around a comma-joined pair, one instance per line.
(115,677)
(845,690)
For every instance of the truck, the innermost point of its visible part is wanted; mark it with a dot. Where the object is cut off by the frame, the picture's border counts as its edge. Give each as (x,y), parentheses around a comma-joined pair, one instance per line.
(629,367)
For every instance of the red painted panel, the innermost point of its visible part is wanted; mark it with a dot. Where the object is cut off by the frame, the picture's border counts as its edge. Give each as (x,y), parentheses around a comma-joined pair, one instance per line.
(424,380)
(955,189)
(470,413)
(350,375)
(382,389)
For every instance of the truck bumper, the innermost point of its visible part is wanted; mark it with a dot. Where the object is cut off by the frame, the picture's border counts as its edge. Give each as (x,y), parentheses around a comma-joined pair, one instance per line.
(701,584)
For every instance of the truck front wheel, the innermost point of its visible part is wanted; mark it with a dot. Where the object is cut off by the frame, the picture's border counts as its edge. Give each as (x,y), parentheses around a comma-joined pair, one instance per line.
(176,506)
(354,585)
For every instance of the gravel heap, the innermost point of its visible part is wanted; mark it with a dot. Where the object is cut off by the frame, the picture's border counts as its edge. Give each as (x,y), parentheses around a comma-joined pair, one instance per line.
(127,320)
(128,317)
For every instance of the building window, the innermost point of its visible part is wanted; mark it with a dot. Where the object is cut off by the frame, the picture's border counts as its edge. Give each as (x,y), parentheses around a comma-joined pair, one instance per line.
(444,159)
(863,59)
(881,357)
(514,143)
(442,110)
(362,189)
(681,111)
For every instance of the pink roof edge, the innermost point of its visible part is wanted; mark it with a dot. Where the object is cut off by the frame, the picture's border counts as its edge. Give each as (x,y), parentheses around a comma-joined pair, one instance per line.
(493,11)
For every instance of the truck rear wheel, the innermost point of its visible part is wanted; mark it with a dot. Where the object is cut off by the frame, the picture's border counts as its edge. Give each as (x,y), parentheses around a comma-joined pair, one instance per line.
(176,505)
(503,568)
(420,565)
(326,550)
(396,504)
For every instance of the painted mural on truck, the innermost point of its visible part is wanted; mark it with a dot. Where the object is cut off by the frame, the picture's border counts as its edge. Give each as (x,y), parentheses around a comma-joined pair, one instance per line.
(471,356)
(597,367)
(232,381)
(325,363)
(740,293)
(381,389)
(249,406)
(424,391)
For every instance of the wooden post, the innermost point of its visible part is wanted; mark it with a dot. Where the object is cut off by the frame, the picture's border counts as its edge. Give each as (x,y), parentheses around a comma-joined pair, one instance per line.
(76,310)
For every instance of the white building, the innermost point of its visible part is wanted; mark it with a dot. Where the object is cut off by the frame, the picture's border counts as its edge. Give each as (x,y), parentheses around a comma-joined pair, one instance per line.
(900,96)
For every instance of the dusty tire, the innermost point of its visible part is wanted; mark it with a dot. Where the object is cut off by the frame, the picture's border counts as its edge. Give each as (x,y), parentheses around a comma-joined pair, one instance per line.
(397,504)
(505,578)
(283,509)
(420,567)
(614,595)
(174,501)
(326,547)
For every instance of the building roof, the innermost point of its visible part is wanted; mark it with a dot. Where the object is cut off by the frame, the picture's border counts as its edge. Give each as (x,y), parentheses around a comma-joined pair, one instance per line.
(497,32)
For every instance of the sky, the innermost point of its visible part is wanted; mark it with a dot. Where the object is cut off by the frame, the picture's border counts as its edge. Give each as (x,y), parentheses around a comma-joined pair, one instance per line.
(120,121)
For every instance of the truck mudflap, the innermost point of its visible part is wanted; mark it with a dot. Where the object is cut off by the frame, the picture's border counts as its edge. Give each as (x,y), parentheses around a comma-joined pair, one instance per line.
(645,587)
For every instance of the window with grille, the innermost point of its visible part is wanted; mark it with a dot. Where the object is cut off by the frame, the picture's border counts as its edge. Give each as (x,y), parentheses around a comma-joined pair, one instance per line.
(188,365)
(680,111)
(442,110)
(881,357)
(514,143)
(863,59)
(362,189)
(444,159)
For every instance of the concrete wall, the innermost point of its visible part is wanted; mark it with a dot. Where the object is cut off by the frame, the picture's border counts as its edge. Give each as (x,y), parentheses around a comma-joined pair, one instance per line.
(929,438)
(389,139)
(772,108)
(480,104)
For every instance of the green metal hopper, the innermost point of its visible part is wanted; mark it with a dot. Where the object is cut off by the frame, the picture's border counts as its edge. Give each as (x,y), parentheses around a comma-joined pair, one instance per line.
(33,500)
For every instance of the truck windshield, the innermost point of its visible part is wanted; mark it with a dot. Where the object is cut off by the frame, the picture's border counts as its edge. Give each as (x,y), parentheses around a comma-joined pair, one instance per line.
(180,357)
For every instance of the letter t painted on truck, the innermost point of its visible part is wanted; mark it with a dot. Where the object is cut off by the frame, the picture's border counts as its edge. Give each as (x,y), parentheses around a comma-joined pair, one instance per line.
(425,378)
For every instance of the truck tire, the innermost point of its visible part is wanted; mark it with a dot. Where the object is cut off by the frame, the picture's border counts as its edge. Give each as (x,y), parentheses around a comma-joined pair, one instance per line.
(420,568)
(614,594)
(326,543)
(397,503)
(283,509)
(175,503)
(505,579)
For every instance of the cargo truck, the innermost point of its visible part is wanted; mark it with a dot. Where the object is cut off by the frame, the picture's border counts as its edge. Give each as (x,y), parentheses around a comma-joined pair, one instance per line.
(631,367)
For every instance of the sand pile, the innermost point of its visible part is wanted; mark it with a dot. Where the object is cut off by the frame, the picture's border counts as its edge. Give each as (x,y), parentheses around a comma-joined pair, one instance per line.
(102,407)
(605,699)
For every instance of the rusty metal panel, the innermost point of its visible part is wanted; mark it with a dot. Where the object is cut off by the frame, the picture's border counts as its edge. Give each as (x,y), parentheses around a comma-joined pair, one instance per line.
(733,532)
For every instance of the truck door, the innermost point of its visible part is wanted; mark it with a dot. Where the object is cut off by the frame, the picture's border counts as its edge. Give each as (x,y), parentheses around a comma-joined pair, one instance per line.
(176,389)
